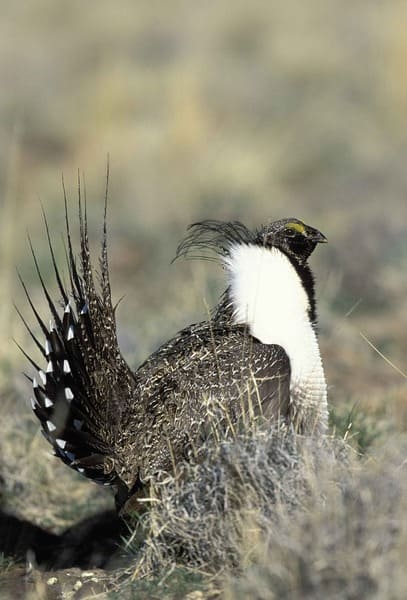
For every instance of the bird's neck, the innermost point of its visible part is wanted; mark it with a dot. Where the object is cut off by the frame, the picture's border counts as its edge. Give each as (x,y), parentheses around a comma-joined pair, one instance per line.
(268,294)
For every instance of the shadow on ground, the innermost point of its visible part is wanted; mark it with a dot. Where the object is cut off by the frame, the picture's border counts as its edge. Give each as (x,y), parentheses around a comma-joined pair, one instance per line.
(94,542)
(46,565)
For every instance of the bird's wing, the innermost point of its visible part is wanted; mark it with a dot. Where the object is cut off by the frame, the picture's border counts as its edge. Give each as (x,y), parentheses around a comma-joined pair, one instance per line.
(85,384)
(207,376)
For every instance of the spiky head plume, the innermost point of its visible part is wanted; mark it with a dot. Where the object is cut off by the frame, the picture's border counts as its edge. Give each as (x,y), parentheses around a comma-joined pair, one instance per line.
(208,238)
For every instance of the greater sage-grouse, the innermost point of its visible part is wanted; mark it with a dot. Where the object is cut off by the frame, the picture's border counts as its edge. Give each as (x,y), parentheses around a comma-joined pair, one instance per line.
(258,352)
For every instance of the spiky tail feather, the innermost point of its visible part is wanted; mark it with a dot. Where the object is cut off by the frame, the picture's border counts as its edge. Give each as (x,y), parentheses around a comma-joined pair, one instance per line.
(79,395)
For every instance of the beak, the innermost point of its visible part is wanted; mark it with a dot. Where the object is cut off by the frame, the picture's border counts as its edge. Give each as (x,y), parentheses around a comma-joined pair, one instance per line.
(316,236)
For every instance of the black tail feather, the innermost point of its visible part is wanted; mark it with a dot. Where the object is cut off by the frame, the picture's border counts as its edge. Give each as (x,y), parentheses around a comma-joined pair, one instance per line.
(31,334)
(37,316)
(30,360)
(51,305)
(54,264)
(76,396)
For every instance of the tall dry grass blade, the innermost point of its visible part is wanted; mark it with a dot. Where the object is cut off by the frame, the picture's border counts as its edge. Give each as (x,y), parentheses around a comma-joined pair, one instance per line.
(387,360)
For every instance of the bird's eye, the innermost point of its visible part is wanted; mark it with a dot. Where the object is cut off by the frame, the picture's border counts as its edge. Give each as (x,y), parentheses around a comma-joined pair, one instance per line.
(290,232)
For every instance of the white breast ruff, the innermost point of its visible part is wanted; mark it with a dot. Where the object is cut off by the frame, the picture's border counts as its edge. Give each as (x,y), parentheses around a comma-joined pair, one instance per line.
(267,294)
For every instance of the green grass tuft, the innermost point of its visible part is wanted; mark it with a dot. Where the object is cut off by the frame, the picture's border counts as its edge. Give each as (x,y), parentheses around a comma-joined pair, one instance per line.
(177,583)
(357,427)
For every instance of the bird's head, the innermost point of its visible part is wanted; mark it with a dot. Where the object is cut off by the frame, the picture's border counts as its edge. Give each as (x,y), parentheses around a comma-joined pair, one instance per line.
(213,239)
(291,236)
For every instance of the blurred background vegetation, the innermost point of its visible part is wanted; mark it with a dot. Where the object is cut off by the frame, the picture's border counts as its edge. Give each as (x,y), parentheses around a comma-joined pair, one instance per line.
(228,109)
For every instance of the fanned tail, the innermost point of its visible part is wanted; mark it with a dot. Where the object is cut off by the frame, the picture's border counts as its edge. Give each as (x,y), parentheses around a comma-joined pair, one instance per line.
(79,394)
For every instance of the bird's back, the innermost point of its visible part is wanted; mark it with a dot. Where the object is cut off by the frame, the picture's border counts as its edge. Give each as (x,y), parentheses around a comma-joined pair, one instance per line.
(206,379)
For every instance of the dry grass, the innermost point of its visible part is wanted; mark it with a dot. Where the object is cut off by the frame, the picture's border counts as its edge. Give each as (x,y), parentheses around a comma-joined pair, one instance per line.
(270,514)
(212,515)
(346,543)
